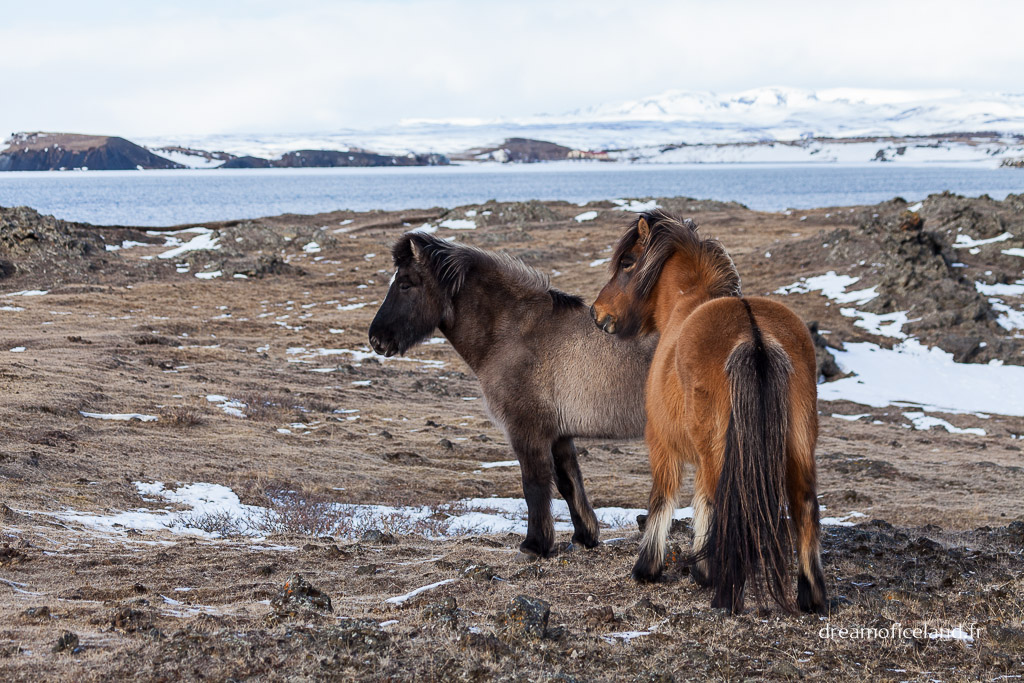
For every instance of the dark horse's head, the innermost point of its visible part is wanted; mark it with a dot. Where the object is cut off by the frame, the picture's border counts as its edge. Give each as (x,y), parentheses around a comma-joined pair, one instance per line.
(625,305)
(418,300)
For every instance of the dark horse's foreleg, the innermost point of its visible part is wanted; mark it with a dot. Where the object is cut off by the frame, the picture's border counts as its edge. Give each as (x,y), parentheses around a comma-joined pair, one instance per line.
(569,481)
(535,463)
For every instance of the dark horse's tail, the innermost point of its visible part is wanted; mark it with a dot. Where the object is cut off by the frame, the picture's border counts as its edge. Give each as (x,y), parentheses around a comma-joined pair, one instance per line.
(749,531)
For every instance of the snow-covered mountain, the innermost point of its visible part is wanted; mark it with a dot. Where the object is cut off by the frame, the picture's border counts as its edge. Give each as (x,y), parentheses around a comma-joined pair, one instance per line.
(643,129)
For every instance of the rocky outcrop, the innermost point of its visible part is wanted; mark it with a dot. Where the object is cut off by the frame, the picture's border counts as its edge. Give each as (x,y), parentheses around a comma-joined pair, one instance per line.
(66,151)
(522,150)
(328,158)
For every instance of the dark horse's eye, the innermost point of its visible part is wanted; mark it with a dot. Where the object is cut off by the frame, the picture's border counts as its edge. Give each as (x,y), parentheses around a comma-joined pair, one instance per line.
(404,286)
(627,262)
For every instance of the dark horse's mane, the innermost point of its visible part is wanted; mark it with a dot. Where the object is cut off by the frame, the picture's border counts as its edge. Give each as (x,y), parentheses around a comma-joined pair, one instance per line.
(668,235)
(450,263)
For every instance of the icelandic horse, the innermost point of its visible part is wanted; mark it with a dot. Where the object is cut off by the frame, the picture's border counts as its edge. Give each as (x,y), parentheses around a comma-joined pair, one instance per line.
(732,390)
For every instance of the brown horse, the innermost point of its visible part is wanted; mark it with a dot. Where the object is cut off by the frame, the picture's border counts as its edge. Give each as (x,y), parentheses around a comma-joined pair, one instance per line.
(731,389)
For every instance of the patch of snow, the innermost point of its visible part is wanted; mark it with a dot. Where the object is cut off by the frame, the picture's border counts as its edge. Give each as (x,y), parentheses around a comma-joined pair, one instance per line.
(965,242)
(28,292)
(311,248)
(916,207)
(1010,319)
(18,349)
(1016,289)
(635,205)
(125,417)
(11,308)
(924,422)
(832,286)
(599,262)
(204,241)
(362,383)
(352,307)
(399,599)
(1014,252)
(426,228)
(210,275)
(911,374)
(458,224)
(502,463)
(841,521)
(624,636)
(586,216)
(228,405)
(851,418)
(884,325)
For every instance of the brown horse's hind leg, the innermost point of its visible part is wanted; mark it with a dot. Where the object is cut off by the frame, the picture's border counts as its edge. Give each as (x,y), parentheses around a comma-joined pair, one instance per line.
(701,523)
(666,474)
(569,481)
(803,505)
(535,463)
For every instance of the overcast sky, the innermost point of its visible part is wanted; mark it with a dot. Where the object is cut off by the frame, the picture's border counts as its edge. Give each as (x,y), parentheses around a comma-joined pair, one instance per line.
(195,67)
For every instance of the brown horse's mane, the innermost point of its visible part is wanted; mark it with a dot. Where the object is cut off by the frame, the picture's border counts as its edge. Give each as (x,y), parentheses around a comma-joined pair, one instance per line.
(450,263)
(668,236)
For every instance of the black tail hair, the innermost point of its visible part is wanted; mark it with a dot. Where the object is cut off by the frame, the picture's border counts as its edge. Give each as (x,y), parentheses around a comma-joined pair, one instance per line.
(749,536)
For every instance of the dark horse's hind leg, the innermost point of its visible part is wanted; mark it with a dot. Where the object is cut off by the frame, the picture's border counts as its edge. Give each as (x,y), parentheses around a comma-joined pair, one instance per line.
(569,481)
(536,465)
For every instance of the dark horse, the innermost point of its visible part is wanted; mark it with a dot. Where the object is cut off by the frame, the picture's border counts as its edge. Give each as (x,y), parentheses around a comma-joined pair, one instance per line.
(732,390)
(547,373)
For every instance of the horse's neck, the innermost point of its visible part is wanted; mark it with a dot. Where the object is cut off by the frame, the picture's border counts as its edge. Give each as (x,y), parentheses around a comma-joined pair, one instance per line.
(678,292)
(477,313)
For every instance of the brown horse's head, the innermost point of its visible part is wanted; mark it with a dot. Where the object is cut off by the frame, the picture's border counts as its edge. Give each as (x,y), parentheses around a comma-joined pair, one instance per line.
(619,309)
(416,302)
(626,305)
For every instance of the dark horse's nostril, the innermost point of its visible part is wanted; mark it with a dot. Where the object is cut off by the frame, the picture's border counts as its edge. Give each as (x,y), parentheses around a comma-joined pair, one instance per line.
(593,312)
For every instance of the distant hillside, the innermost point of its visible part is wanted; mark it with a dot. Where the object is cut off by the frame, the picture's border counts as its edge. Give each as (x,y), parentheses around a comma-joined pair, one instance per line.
(325,158)
(60,151)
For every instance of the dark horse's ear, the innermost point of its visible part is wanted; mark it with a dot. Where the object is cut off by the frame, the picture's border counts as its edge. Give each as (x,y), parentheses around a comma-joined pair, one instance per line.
(416,250)
(643,231)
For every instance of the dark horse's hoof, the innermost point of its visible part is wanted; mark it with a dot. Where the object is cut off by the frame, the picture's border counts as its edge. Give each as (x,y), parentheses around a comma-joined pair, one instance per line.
(531,550)
(585,540)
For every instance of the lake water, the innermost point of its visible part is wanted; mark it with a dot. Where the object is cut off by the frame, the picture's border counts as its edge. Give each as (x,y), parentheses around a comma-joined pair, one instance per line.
(154,198)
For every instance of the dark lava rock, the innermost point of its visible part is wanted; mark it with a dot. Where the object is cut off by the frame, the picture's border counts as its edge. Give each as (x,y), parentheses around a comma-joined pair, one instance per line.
(909,257)
(42,612)
(379,537)
(68,642)
(525,617)
(444,613)
(484,642)
(31,243)
(404,458)
(128,620)
(826,362)
(298,595)
(363,635)
(600,615)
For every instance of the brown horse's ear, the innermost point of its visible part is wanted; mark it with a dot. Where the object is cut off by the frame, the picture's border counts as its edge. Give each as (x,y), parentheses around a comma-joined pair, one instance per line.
(643,231)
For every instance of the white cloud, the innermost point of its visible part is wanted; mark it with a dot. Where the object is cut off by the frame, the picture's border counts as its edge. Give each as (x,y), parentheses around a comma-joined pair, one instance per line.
(200,67)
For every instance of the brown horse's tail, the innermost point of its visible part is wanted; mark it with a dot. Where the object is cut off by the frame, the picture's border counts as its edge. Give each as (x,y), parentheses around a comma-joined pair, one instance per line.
(749,533)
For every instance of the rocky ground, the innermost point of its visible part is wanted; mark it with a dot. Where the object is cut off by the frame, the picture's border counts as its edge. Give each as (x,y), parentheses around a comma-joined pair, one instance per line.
(252,358)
